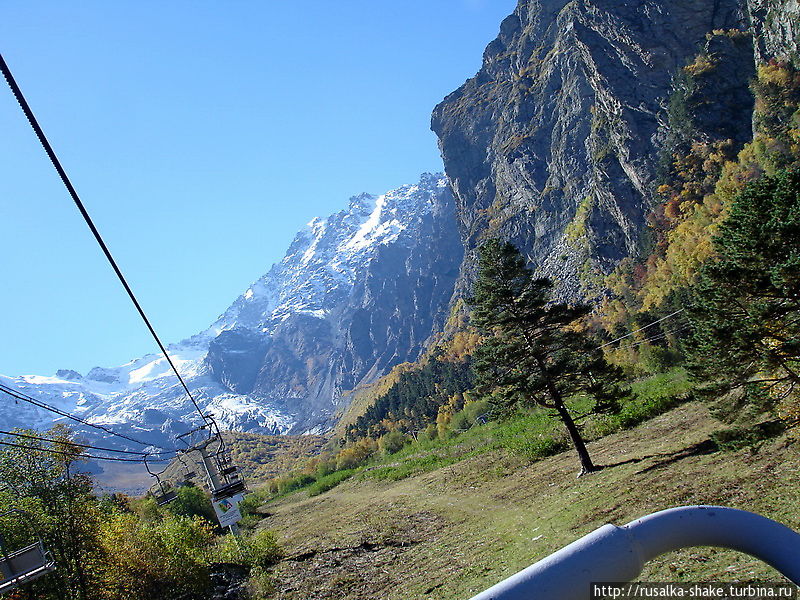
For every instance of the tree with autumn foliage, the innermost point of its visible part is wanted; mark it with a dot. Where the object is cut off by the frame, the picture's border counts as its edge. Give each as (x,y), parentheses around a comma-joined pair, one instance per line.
(109,548)
(43,479)
(532,351)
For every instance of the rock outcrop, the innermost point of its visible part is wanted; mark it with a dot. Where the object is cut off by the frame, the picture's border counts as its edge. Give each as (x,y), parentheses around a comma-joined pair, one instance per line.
(555,144)
(776,28)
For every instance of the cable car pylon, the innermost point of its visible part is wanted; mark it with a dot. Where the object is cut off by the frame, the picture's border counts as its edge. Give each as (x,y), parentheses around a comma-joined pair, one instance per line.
(223,480)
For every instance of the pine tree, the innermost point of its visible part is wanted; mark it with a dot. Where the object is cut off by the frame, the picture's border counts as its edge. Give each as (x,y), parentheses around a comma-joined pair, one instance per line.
(532,349)
(746,305)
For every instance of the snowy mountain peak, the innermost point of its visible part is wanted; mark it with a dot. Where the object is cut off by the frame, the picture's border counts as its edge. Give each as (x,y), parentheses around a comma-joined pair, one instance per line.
(361,203)
(299,308)
(325,257)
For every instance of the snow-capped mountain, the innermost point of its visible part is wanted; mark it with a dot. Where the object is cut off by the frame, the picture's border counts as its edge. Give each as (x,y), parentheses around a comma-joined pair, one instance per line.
(330,255)
(356,293)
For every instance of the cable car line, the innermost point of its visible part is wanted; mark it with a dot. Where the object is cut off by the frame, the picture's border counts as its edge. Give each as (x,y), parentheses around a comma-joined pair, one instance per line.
(627,335)
(77,454)
(74,194)
(654,338)
(43,405)
(223,476)
(71,443)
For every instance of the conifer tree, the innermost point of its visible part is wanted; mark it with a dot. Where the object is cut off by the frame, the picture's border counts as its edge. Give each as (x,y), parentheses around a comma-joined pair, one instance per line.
(746,304)
(532,350)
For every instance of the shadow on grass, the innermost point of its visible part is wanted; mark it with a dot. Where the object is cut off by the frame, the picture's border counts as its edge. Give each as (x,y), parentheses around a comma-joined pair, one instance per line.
(699,449)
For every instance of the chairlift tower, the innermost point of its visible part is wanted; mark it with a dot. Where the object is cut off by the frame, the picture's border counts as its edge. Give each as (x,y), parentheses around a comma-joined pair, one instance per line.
(222,477)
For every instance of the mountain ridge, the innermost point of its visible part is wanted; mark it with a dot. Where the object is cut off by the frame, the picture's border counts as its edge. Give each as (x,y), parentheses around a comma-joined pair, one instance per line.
(555,145)
(248,366)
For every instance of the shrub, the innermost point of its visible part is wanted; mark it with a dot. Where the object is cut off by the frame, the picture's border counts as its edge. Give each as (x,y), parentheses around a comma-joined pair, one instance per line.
(459,422)
(251,503)
(347,459)
(191,502)
(473,413)
(326,467)
(478,412)
(430,434)
(249,507)
(140,560)
(259,550)
(147,509)
(356,454)
(287,485)
(656,359)
(264,549)
(392,442)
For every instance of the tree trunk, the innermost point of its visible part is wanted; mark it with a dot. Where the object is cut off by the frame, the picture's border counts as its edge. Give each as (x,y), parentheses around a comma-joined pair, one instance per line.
(587,466)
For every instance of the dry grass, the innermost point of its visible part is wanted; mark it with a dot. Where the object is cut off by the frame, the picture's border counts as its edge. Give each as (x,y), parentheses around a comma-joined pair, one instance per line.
(452,532)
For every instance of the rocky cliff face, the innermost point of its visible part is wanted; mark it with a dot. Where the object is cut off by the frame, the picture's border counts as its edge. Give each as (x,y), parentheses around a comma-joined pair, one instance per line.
(555,143)
(356,294)
(776,27)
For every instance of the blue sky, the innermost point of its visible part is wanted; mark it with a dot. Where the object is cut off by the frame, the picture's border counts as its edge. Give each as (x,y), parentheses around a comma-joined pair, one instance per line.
(201,135)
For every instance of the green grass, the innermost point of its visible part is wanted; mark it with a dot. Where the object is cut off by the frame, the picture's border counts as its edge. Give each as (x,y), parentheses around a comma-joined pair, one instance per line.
(652,396)
(328,482)
(447,533)
(530,433)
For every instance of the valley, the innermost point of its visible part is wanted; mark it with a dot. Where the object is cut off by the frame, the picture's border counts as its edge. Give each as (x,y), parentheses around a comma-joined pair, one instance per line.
(591,314)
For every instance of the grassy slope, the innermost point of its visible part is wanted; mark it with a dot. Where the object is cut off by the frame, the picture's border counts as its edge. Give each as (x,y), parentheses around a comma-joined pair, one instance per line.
(451,532)
(260,457)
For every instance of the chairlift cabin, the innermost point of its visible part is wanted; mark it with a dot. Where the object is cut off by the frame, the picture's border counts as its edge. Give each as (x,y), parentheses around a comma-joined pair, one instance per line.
(222,476)
(23,565)
(232,483)
(163,497)
(188,472)
(228,490)
(162,494)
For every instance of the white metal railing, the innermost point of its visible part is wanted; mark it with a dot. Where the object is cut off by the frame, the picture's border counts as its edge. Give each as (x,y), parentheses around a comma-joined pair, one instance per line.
(617,554)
